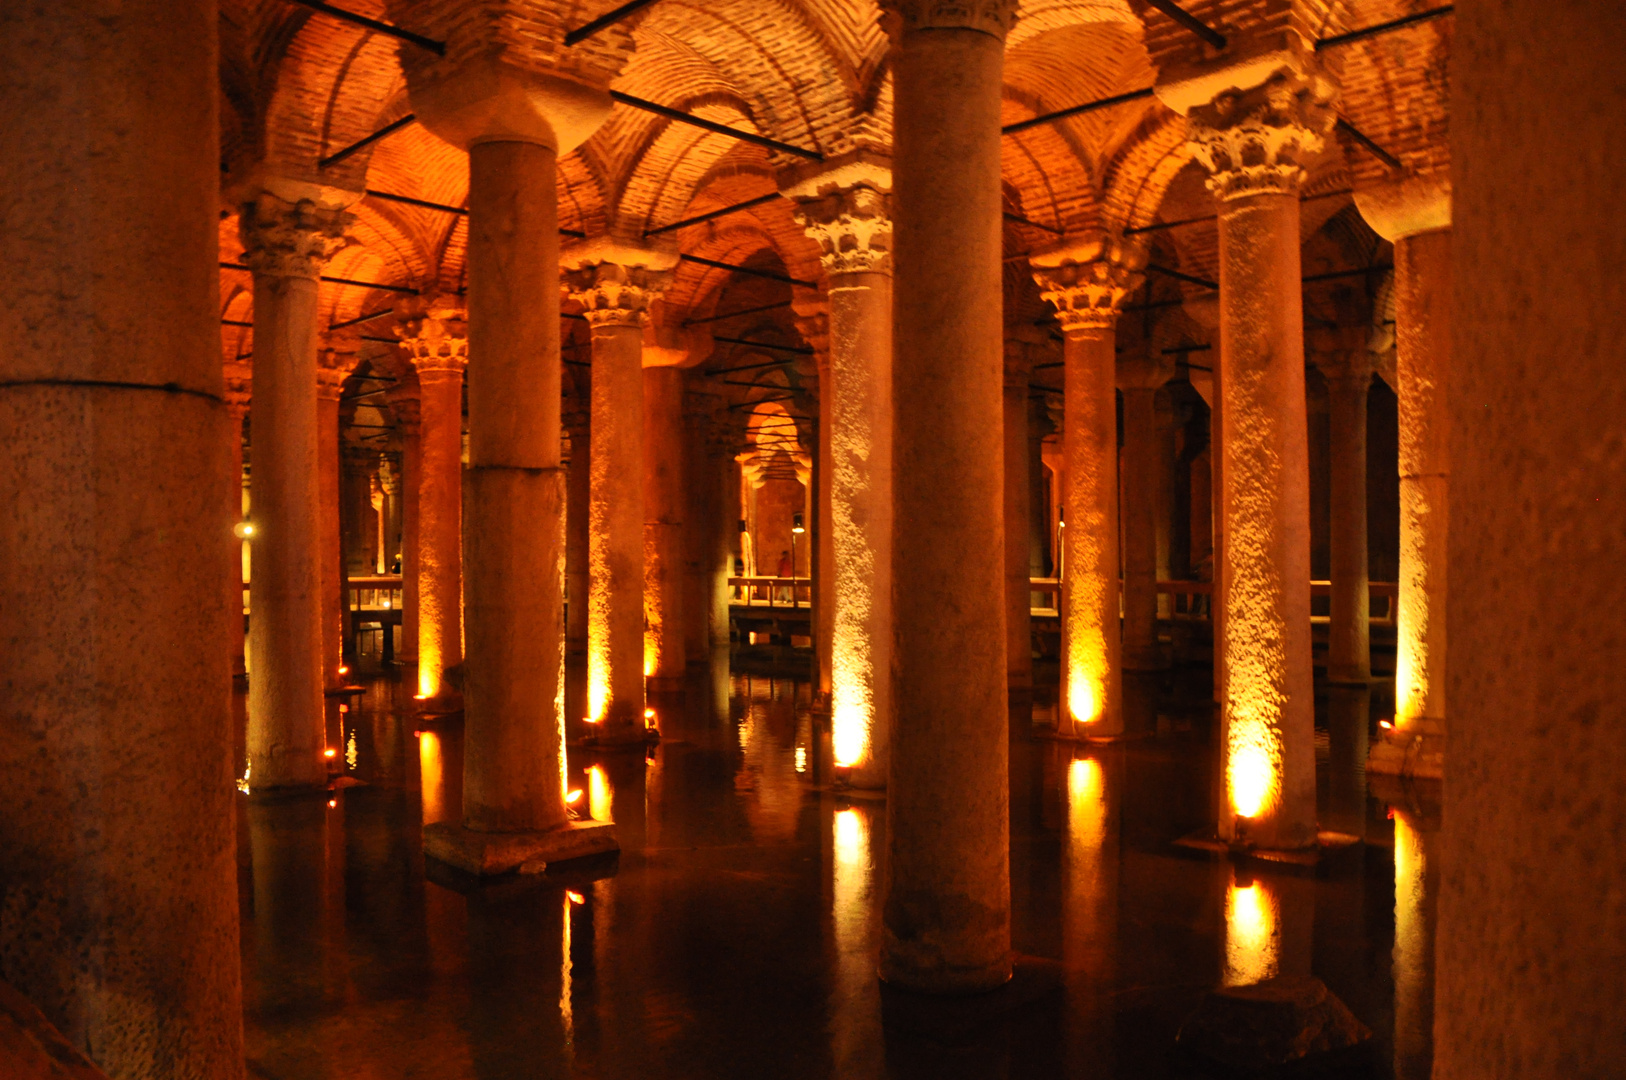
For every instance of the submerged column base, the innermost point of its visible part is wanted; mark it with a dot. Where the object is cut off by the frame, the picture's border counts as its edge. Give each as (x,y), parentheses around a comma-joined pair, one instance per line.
(1410,752)
(489,854)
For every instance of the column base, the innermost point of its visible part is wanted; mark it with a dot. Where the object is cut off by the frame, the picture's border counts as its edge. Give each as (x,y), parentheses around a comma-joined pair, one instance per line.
(1408,753)
(440,706)
(624,737)
(489,854)
(1275,1023)
(967,1020)
(1327,844)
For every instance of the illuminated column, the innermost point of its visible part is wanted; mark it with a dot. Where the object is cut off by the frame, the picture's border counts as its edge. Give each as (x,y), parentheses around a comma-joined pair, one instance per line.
(389,524)
(116,807)
(665,658)
(1417,890)
(1140,378)
(1252,141)
(577,488)
(1349,644)
(286,245)
(403,399)
(846,210)
(514,120)
(238,398)
(946,921)
(435,338)
(1018,553)
(1087,278)
(1415,214)
(333,366)
(377,500)
(813,323)
(1205,312)
(614,284)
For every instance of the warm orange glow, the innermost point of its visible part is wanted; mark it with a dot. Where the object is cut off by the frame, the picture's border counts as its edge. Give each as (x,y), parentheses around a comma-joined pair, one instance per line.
(1084,696)
(343,708)
(1252,779)
(575,897)
(331,803)
(243,530)
(589,720)
(330,752)
(598,794)
(1252,934)
(852,838)
(574,796)
(420,697)
(649,714)
(801,759)
(849,729)
(432,774)
(1385,725)
(343,670)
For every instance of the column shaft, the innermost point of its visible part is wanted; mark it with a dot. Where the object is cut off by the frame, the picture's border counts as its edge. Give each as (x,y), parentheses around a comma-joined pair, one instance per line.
(615,630)
(440,529)
(1349,648)
(663,471)
(120,915)
(578,496)
(411,484)
(329,543)
(1018,552)
(234,546)
(824,608)
(1139,502)
(946,922)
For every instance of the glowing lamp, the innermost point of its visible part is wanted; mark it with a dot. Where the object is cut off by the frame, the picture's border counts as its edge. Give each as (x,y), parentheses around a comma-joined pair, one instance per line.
(330,752)
(1385,725)
(589,720)
(331,803)
(420,697)
(1251,777)
(344,708)
(343,670)
(386,603)
(243,530)
(796,525)
(574,796)
(649,714)
(575,897)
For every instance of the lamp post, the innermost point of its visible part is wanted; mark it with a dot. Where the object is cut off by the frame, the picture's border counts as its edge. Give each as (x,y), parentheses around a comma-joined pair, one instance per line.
(796,529)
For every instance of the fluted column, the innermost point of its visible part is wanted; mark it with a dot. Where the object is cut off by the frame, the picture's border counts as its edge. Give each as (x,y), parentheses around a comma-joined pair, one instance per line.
(1252,141)
(403,399)
(1018,553)
(286,245)
(1140,378)
(1415,214)
(665,474)
(1348,372)
(333,366)
(846,210)
(434,337)
(1086,279)
(615,296)
(120,915)
(946,921)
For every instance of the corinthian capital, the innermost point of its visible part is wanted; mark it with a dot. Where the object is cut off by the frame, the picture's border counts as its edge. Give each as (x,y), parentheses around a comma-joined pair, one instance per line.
(1257,141)
(853,227)
(615,282)
(290,239)
(434,336)
(994,17)
(1087,277)
(334,363)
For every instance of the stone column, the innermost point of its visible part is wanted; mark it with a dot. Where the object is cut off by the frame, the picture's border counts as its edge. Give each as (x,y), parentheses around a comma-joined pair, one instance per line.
(120,915)
(1415,214)
(238,396)
(1018,541)
(389,480)
(435,338)
(665,658)
(1205,312)
(333,366)
(1348,370)
(1087,278)
(577,498)
(1252,141)
(515,115)
(287,244)
(946,921)
(813,323)
(614,284)
(846,209)
(1140,378)
(403,399)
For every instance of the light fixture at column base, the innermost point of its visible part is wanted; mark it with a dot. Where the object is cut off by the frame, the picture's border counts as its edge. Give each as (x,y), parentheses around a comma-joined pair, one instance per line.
(489,854)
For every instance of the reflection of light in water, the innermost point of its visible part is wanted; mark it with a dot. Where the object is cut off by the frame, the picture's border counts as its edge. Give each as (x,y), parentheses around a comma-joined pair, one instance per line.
(598,794)
(852,886)
(350,754)
(801,759)
(432,767)
(1086,809)
(747,730)
(1252,934)
(566,1013)
(1413,951)
(853,1011)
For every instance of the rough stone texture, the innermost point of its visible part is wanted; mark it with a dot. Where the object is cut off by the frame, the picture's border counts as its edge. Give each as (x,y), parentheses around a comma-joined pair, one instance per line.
(405,404)
(946,912)
(490,854)
(1140,378)
(1274,1022)
(1018,521)
(118,910)
(1349,632)
(34,1050)
(332,367)
(1532,957)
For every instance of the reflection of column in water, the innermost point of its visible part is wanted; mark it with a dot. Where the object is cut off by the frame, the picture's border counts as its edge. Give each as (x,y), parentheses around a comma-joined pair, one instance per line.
(1348,716)
(854,1001)
(1090,914)
(1252,933)
(516,958)
(720,687)
(288,842)
(432,771)
(1417,879)
(600,799)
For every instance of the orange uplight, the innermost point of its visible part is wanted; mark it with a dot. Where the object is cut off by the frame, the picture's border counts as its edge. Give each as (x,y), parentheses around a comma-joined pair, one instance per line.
(420,697)
(343,670)
(330,752)
(649,714)
(331,803)
(574,796)
(1385,725)
(589,720)
(1252,778)
(575,897)
(344,708)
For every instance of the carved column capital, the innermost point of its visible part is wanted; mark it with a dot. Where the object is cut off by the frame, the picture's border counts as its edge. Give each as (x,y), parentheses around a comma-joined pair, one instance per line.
(994,17)
(290,239)
(1086,278)
(1257,141)
(434,337)
(1407,206)
(846,206)
(239,388)
(334,364)
(614,283)
(389,477)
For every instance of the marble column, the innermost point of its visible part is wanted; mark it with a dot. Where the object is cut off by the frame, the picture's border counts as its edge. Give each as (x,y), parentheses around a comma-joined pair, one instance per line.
(614,284)
(1348,372)
(946,907)
(1140,378)
(1086,278)
(1252,140)
(515,114)
(120,914)
(286,245)
(845,208)
(1018,541)
(664,469)
(333,366)
(239,387)
(1415,214)
(435,338)
(404,403)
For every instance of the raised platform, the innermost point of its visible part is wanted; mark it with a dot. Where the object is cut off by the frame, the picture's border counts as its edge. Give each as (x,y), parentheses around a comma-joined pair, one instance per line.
(489,854)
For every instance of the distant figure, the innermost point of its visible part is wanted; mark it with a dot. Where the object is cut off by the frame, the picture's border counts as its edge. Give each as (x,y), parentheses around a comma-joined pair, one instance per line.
(786,569)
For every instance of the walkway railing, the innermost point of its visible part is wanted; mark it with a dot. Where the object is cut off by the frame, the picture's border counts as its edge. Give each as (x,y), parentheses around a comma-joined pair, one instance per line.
(771,592)
(1190,600)
(375,592)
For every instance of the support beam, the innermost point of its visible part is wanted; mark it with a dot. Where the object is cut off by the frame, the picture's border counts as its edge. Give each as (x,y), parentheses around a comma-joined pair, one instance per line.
(359,319)
(719,129)
(736,314)
(801,350)
(769,274)
(1371,147)
(1190,22)
(436,47)
(362,144)
(715,214)
(1075,110)
(1382,28)
(609,18)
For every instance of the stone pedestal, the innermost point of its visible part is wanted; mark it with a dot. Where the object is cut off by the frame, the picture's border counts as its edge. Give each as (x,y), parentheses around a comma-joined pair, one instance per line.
(116,800)
(1140,378)
(1252,140)
(1415,214)
(846,209)
(946,921)
(1086,278)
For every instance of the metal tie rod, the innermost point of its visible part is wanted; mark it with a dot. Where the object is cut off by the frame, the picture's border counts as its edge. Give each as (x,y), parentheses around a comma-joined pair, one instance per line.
(364,143)
(720,129)
(713,215)
(436,47)
(1190,22)
(609,18)
(1074,110)
(1382,28)
(769,274)
(338,281)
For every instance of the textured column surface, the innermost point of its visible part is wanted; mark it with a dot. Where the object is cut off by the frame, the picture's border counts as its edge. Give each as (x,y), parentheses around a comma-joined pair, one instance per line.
(664,549)
(1086,279)
(1252,142)
(1531,954)
(851,223)
(615,296)
(120,915)
(286,245)
(946,907)
(1018,552)
(1140,378)
(1415,213)
(405,405)
(435,338)
(1349,640)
